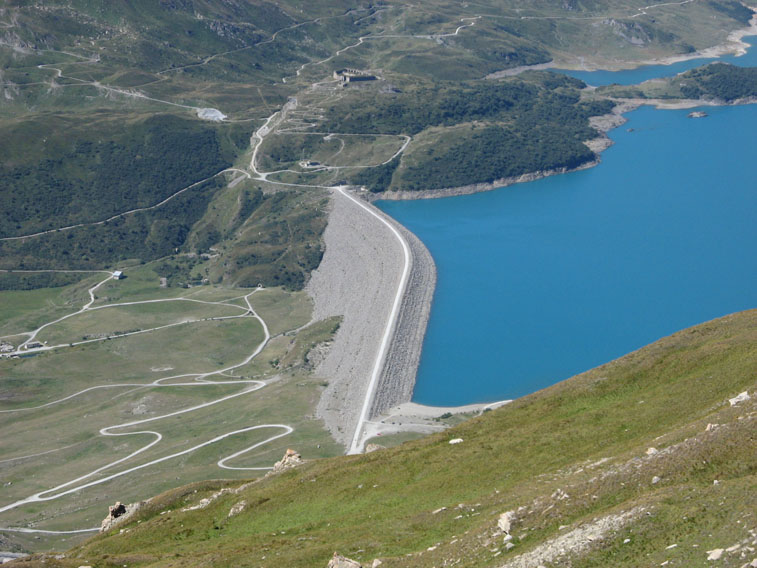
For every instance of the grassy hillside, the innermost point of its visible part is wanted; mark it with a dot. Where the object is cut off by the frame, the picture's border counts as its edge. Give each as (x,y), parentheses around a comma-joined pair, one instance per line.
(462,133)
(62,171)
(100,107)
(572,461)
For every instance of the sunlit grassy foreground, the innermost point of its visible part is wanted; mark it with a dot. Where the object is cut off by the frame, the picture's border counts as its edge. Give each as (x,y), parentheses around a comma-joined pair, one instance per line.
(588,437)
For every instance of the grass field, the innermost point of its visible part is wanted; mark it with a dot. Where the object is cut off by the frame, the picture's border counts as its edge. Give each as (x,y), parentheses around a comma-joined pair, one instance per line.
(59,441)
(21,310)
(120,320)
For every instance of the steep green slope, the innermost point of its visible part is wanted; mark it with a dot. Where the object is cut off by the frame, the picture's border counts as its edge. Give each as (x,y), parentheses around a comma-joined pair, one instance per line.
(572,462)
(61,170)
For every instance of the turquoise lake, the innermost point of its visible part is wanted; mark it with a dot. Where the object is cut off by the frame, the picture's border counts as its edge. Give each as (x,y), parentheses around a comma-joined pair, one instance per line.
(543,280)
(645,72)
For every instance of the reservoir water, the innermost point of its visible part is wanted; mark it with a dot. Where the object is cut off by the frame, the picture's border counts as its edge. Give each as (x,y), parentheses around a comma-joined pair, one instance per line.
(645,72)
(543,280)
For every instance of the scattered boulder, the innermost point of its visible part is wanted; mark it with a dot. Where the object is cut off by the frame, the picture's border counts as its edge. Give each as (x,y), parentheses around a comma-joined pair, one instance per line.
(376,563)
(560,495)
(6,557)
(651,451)
(118,513)
(374,448)
(456,441)
(655,480)
(743,397)
(714,554)
(505,521)
(339,561)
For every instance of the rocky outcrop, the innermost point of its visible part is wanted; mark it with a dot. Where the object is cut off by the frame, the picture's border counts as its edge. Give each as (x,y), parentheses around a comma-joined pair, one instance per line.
(557,551)
(505,521)
(374,448)
(119,513)
(290,460)
(237,508)
(743,397)
(6,557)
(633,32)
(339,561)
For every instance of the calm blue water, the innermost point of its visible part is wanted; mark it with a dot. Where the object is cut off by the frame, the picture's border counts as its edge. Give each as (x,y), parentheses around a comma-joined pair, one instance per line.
(543,280)
(640,74)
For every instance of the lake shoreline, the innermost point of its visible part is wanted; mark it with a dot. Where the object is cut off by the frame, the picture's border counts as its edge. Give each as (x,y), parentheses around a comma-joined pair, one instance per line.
(602,123)
(392,405)
(733,44)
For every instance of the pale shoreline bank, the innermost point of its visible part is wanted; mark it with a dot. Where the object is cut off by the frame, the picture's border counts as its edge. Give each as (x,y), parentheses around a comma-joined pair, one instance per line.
(733,44)
(414,417)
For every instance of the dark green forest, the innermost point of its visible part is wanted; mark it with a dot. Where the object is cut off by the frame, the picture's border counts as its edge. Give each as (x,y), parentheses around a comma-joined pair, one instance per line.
(280,242)
(413,111)
(145,235)
(720,81)
(523,126)
(496,152)
(55,174)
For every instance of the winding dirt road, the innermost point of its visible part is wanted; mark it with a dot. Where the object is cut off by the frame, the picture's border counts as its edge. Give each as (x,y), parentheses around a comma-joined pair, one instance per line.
(90,479)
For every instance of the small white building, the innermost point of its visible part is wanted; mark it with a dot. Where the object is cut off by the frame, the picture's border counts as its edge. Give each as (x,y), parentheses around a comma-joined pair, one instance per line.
(118,275)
